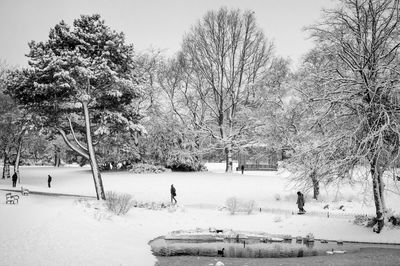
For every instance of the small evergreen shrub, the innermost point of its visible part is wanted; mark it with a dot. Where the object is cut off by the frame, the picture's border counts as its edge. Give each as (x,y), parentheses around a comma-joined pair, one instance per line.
(119,203)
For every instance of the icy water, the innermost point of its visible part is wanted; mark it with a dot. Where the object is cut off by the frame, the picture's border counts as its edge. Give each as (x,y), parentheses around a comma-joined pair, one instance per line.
(255,248)
(364,257)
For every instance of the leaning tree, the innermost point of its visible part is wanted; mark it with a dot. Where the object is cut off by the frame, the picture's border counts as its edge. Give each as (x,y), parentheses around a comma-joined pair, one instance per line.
(359,92)
(82,83)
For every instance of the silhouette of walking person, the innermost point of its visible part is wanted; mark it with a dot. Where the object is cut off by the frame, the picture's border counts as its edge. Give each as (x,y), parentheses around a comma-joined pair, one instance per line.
(14,179)
(49,181)
(300,202)
(173,194)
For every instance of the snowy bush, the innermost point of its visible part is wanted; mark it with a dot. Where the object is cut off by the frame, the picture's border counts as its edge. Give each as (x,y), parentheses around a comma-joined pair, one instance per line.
(184,162)
(234,205)
(277,197)
(142,168)
(277,219)
(364,220)
(118,203)
(249,206)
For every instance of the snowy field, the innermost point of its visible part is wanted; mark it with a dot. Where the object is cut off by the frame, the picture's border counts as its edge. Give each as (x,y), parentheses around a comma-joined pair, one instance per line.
(55,230)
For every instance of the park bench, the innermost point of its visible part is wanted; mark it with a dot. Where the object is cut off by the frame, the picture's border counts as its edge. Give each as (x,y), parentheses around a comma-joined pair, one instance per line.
(11,199)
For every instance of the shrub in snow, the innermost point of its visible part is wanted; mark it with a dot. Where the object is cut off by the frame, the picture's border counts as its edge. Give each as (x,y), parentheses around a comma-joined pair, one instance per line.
(142,168)
(277,219)
(184,162)
(364,220)
(234,205)
(277,197)
(249,206)
(119,203)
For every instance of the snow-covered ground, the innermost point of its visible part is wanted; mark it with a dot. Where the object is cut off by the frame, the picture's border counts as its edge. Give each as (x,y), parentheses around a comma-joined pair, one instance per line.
(46,230)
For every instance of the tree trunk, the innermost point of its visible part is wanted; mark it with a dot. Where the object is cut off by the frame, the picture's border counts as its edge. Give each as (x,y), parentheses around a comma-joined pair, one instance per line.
(228,159)
(92,157)
(380,214)
(57,159)
(6,167)
(382,191)
(315,182)
(18,159)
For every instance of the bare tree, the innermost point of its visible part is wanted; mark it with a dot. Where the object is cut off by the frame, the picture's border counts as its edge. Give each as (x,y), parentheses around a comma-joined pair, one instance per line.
(358,97)
(227,56)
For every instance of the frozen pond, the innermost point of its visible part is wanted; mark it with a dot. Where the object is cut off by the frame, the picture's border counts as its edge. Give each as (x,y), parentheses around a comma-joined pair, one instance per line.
(255,248)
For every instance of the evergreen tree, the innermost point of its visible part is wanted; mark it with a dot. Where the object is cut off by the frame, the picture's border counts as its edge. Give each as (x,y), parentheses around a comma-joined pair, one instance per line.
(82,79)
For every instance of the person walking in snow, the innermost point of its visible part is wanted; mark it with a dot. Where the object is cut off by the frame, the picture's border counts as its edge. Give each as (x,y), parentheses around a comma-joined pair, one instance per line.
(300,202)
(14,179)
(49,178)
(173,194)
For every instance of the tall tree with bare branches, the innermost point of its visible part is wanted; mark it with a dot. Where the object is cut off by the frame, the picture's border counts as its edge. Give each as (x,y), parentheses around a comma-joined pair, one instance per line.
(227,58)
(358,100)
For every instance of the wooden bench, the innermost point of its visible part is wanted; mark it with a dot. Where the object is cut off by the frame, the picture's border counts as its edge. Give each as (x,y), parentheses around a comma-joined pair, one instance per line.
(11,199)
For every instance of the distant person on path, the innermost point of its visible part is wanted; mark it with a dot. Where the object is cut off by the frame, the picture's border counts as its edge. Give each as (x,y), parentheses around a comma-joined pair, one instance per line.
(49,180)
(173,194)
(14,179)
(300,202)
(242,167)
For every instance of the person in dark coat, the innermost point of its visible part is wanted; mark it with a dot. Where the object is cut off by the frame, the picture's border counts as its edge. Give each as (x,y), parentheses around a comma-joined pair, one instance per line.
(242,167)
(300,201)
(49,178)
(173,194)
(14,179)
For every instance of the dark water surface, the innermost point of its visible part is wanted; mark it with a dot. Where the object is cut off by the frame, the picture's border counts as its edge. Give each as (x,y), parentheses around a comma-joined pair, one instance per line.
(366,256)
(256,252)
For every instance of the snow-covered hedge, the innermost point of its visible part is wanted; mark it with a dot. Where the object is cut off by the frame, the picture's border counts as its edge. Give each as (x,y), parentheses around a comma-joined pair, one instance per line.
(142,168)
(185,162)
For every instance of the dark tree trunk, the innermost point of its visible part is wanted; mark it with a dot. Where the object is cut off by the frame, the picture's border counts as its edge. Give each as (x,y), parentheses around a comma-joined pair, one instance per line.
(377,190)
(381,185)
(18,158)
(228,159)
(6,167)
(92,157)
(57,158)
(315,183)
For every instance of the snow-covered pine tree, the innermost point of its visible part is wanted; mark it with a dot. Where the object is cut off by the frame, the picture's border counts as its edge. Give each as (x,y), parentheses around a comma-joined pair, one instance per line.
(81,79)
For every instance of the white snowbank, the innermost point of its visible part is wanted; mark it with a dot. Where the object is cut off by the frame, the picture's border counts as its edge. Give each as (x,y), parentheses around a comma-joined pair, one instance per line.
(46,230)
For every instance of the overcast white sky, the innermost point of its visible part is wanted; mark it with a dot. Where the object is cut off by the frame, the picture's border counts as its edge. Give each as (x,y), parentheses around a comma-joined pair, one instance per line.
(160,24)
